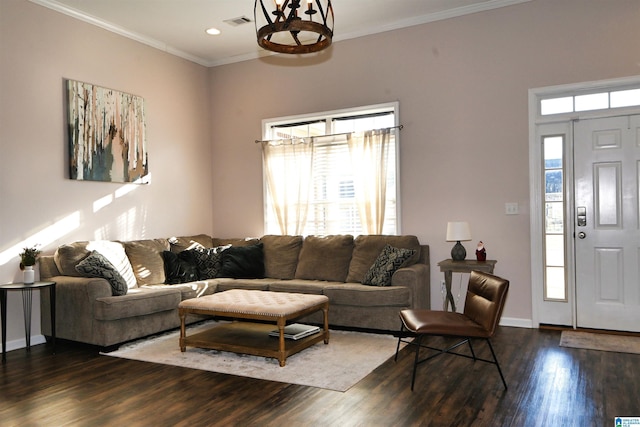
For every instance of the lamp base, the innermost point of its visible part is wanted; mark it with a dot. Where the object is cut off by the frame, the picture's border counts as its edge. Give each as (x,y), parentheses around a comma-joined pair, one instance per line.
(458,253)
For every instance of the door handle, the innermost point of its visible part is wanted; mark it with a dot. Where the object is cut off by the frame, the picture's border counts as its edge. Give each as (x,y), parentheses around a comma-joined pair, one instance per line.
(582,235)
(582,216)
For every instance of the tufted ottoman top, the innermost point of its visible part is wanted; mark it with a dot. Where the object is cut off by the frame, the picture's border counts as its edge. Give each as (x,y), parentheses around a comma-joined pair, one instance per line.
(261,303)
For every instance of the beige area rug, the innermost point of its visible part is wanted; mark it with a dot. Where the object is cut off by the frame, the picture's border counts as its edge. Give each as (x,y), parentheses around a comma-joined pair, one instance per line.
(347,359)
(602,342)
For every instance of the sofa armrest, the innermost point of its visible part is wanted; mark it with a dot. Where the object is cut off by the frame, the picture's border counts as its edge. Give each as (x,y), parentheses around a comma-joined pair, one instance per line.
(417,278)
(48,268)
(82,289)
(75,297)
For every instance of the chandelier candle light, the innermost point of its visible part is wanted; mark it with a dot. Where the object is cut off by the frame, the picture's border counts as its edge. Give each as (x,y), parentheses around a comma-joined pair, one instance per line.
(282,28)
(457,232)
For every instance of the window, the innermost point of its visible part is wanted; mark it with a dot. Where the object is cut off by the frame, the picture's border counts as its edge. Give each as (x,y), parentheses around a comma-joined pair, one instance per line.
(590,102)
(332,207)
(554,254)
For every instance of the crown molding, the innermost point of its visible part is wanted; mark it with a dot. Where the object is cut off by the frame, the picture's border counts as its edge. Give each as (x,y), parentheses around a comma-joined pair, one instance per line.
(418,20)
(156,44)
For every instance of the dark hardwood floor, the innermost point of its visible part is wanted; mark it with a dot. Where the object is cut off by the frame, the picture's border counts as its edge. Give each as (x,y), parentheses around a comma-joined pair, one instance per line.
(548,386)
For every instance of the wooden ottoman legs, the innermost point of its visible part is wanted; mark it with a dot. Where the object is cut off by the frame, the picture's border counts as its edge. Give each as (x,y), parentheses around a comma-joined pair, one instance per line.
(282,355)
(183,330)
(325,313)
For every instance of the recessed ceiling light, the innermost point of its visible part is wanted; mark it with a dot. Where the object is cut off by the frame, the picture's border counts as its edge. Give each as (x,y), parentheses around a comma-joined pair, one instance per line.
(212,31)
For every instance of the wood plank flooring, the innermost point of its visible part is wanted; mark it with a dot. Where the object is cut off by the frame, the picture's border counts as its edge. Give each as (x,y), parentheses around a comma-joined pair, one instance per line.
(548,386)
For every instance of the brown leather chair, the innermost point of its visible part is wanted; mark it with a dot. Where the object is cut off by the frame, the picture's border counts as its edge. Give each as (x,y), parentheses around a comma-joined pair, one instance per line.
(486,295)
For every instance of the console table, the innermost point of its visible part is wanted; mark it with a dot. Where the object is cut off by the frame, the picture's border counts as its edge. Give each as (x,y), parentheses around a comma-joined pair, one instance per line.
(27,290)
(449,266)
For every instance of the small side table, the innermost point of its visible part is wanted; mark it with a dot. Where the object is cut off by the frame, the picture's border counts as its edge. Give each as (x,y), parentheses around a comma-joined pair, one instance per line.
(449,266)
(27,290)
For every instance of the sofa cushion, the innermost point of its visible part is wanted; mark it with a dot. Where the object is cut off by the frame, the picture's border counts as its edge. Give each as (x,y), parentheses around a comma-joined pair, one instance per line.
(325,258)
(97,265)
(368,247)
(225,284)
(300,286)
(387,263)
(281,255)
(248,241)
(191,289)
(355,294)
(138,302)
(243,262)
(179,244)
(146,260)
(67,257)
(179,268)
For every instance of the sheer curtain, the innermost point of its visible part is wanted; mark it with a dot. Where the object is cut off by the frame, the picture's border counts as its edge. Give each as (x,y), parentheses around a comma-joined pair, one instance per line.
(288,170)
(369,152)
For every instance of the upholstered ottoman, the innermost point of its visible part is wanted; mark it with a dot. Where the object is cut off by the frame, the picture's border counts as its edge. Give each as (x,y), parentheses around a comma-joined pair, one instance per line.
(244,336)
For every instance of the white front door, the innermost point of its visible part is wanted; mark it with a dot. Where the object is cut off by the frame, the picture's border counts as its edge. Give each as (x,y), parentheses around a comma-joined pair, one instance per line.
(607,222)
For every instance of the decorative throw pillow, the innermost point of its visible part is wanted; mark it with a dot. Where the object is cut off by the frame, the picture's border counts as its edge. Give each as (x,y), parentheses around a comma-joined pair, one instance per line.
(179,268)
(387,263)
(367,247)
(208,261)
(243,262)
(117,256)
(97,265)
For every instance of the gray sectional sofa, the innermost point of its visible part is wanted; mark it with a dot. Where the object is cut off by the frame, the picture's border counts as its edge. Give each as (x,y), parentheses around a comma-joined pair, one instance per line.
(91,310)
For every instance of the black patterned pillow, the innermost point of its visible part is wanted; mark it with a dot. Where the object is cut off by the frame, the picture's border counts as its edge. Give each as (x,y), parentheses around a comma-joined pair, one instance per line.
(387,263)
(208,261)
(97,265)
(179,268)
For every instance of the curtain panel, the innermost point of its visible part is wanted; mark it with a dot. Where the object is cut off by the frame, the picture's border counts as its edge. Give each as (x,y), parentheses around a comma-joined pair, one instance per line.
(289,170)
(369,156)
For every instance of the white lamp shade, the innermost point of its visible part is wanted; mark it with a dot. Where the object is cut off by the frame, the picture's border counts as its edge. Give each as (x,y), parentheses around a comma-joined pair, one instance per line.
(458,231)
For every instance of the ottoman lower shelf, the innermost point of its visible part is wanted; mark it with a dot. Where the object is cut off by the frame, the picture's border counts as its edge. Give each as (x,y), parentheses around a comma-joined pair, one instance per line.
(250,338)
(248,305)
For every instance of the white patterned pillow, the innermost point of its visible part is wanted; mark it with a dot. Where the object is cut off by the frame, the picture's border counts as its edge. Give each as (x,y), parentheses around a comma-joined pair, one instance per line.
(387,263)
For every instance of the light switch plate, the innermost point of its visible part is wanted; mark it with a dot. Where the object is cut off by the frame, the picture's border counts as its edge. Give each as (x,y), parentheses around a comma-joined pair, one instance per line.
(511,208)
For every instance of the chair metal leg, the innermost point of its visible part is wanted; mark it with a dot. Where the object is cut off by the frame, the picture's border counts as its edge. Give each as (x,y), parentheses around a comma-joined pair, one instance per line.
(495,359)
(395,359)
(417,360)
(473,353)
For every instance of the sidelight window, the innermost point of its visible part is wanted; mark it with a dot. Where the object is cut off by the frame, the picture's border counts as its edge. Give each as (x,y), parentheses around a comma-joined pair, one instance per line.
(555,286)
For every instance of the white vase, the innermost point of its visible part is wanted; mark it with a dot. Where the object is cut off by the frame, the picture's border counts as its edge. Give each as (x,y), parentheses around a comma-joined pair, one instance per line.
(29,274)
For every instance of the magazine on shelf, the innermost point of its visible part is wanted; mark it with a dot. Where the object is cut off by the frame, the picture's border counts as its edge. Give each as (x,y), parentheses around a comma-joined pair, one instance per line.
(295,331)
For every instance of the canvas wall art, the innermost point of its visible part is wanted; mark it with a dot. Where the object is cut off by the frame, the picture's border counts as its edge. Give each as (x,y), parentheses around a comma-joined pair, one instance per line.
(107,135)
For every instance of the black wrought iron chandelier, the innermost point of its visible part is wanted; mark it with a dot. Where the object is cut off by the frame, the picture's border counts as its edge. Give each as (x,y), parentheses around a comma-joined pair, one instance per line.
(285,26)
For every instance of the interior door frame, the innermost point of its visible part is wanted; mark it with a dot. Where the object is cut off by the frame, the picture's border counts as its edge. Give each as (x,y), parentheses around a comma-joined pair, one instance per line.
(536,226)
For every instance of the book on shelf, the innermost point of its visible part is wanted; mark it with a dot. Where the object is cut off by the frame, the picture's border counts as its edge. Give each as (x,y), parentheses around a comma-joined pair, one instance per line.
(296,331)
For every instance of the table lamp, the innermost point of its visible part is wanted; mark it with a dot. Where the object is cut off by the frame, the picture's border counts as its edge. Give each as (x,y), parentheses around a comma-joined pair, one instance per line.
(457,232)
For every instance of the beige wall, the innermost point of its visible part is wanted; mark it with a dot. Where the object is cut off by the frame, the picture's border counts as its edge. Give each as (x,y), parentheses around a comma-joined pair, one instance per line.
(462,85)
(39,49)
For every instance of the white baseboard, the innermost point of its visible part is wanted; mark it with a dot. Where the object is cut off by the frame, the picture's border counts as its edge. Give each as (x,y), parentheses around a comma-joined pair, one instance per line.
(22,342)
(516,322)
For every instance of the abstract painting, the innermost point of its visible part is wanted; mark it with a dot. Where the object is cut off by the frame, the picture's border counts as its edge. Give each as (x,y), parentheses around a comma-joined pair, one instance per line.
(107,135)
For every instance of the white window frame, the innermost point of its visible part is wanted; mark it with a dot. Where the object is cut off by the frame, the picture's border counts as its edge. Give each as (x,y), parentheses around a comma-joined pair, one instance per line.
(328,116)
